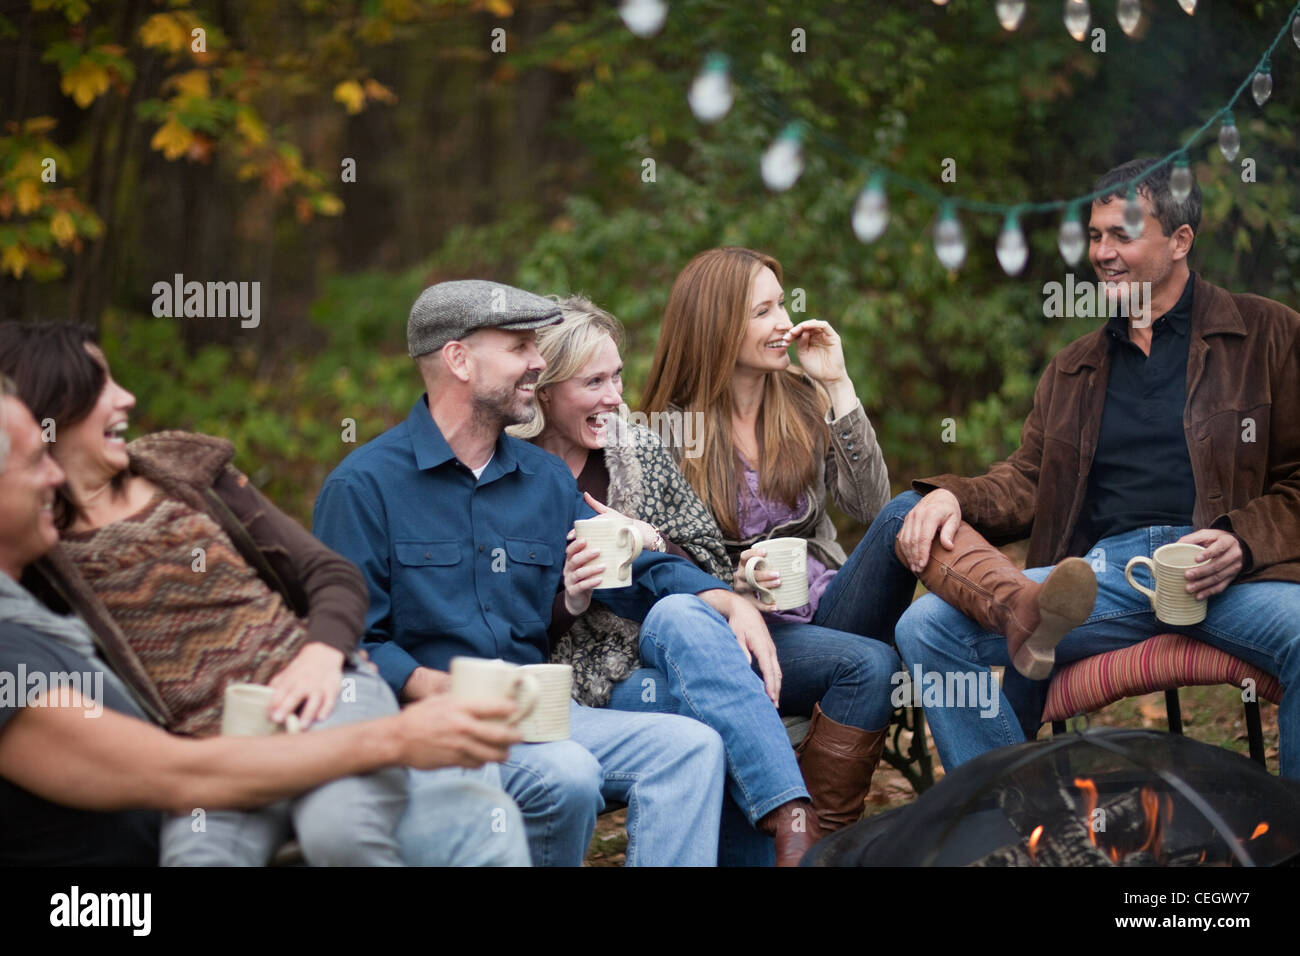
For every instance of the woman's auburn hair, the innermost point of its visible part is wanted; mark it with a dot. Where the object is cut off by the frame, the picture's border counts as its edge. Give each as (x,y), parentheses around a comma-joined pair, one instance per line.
(703,328)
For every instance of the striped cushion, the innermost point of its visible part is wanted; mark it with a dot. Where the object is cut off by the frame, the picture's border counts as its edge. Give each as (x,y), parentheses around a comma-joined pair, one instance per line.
(1158,663)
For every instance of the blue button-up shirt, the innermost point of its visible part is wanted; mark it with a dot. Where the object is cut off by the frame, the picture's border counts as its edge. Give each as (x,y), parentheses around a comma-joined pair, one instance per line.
(459,566)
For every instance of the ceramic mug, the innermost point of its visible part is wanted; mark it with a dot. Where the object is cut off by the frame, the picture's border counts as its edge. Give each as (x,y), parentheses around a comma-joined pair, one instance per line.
(788,557)
(550,718)
(1170,600)
(619,542)
(479,677)
(244,712)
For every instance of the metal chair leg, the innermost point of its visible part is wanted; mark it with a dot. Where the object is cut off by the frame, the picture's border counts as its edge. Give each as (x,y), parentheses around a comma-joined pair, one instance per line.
(1173,712)
(1255,733)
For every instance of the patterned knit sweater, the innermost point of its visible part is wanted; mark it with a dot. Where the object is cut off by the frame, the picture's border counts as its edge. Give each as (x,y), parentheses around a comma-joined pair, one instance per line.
(196,620)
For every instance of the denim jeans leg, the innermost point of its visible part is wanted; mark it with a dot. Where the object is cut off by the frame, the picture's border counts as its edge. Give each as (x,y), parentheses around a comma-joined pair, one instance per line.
(739,844)
(557,787)
(669,771)
(458,817)
(692,645)
(871,591)
(849,675)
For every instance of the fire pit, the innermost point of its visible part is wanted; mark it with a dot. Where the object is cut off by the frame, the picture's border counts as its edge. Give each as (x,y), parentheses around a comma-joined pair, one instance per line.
(1103,797)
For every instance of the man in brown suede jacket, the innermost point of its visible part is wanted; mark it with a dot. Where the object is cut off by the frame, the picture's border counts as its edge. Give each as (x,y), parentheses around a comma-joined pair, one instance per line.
(1180,425)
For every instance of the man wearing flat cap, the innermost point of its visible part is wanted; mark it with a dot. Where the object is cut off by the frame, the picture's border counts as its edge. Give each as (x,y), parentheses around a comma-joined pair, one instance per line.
(460,531)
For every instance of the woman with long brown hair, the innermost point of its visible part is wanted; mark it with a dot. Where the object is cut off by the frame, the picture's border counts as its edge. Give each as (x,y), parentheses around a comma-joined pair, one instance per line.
(775,439)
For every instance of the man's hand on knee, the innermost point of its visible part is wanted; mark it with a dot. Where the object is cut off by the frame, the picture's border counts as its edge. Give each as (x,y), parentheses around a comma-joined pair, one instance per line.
(939,512)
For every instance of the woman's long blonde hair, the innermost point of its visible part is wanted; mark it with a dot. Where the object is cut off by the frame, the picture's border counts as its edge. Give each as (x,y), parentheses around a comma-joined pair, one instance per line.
(567,347)
(703,328)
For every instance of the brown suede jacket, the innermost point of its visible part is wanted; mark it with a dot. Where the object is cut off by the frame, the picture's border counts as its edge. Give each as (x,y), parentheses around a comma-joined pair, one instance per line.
(1243,370)
(315,582)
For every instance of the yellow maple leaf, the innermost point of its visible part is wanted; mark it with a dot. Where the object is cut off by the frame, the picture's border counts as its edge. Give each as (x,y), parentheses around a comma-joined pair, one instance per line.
(172,138)
(351,95)
(62,228)
(13,260)
(193,83)
(500,8)
(252,129)
(28,195)
(328,205)
(164,31)
(39,124)
(84,82)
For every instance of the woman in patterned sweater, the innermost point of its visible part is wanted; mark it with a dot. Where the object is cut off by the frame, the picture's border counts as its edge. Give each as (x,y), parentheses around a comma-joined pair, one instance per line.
(191,580)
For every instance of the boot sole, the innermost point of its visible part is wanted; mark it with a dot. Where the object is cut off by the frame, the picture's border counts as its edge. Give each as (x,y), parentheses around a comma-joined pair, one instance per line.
(1065,601)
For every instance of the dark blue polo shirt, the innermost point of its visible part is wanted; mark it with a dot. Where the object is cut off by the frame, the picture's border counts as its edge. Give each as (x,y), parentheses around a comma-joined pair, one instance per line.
(458,566)
(1142,473)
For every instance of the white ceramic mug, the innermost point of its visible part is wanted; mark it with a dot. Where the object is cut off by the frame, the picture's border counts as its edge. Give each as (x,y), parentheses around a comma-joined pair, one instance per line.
(1171,601)
(478,677)
(245,712)
(619,542)
(550,718)
(788,557)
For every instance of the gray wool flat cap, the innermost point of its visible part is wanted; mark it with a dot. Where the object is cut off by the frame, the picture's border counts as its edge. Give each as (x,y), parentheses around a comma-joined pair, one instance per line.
(452,310)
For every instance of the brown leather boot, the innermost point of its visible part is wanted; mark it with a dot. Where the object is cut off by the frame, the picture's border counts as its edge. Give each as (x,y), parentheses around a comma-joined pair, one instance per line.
(837,763)
(978,580)
(794,825)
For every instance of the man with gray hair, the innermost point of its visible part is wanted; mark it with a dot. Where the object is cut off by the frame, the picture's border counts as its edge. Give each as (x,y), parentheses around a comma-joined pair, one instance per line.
(460,531)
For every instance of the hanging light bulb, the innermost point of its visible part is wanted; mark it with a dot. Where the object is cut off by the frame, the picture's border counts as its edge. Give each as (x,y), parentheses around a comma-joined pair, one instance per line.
(1129,15)
(940,3)
(1010,13)
(643,17)
(1261,86)
(1189,6)
(783,161)
(949,243)
(871,211)
(1071,239)
(710,95)
(1077,18)
(1134,218)
(1012,251)
(1229,138)
(1181,179)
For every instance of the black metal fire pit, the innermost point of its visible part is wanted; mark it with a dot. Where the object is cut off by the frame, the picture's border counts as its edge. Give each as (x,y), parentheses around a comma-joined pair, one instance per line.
(1103,797)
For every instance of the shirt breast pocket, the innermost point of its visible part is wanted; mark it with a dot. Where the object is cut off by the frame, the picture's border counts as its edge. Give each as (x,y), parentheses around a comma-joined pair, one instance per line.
(432,585)
(534,576)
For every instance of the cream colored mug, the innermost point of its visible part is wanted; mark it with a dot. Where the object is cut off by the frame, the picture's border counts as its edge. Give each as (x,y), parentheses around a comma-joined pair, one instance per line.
(477,677)
(1170,600)
(788,557)
(619,542)
(549,720)
(245,712)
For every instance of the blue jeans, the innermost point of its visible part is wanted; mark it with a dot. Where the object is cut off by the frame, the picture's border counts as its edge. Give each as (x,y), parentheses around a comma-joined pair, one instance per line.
(668,769)
(1257,621)
(456,818)
(696,667)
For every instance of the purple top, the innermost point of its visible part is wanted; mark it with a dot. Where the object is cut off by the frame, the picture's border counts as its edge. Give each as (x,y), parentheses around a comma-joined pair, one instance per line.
(757,516)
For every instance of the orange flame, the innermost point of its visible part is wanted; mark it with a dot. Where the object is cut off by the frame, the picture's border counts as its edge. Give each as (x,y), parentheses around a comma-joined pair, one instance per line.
(1151,810)
(1260,830)
(1090,791)
(1033,841)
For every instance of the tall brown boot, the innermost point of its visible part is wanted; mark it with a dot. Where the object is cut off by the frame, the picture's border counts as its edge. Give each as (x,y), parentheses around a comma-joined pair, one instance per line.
(837,763)
(978,580)
(794,826)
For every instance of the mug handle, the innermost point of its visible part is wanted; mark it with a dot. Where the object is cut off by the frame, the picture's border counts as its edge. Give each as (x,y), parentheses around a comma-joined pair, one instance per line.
(1128,575)
(750,567)
(634,541)
(526,692)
